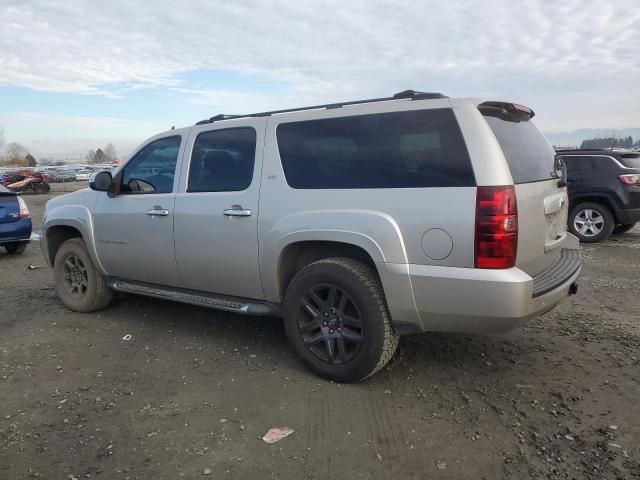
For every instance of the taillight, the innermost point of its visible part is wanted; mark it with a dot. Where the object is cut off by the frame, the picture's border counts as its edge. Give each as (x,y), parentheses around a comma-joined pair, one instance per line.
(496,227)
(24,210)
(630,179)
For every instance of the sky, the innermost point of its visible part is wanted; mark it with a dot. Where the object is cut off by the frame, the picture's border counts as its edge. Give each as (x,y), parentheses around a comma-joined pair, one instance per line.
(76,75)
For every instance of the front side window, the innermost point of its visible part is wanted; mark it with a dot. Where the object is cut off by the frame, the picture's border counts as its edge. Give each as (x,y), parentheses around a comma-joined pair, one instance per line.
(410,149)
(222,160)
(153,168)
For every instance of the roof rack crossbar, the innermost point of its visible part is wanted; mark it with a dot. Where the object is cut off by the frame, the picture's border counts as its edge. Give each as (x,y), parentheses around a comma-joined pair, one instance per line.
(406,94)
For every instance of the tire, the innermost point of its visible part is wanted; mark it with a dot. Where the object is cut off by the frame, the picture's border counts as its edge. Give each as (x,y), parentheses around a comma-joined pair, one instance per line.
(361,339)
(624,228)
(41,187)
(78,284)
(601,226)
(16,248)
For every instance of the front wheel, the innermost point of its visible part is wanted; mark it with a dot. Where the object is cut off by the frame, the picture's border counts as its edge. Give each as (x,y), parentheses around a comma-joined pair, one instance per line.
(591,222)
(624,228)
(337,320)
(78,284)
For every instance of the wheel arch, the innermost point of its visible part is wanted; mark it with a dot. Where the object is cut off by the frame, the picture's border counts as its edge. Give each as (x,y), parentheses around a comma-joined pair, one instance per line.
(297,255)
(55,237)
(602,199)
(64,223)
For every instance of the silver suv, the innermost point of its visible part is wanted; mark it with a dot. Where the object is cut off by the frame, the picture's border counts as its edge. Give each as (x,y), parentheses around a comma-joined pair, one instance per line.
(356,222)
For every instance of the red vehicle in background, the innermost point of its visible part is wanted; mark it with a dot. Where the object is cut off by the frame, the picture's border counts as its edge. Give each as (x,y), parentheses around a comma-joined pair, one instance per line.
(25,181)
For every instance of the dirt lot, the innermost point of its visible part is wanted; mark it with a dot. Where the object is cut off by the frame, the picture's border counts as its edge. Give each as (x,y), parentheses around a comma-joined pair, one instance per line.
(193,390)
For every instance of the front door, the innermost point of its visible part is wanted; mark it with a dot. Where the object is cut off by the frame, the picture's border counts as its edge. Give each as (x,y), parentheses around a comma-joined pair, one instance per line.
(134,230)
(216,210)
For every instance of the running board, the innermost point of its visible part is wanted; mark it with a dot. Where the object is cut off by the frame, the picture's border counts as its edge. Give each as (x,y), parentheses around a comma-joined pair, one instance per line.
(194,297)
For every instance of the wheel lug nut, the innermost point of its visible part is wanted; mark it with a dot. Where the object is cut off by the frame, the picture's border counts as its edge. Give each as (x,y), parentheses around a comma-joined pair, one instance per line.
(326,314)
(330,331)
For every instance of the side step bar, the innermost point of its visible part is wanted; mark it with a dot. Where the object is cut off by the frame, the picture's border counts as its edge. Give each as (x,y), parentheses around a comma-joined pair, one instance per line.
(193,297)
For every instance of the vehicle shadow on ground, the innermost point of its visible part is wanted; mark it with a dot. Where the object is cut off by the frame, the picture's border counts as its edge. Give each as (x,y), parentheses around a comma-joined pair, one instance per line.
(440,353)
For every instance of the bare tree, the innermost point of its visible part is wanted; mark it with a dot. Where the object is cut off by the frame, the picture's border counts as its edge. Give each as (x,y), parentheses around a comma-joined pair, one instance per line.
(91,155)
(16,154)
(110,153)
(99,157)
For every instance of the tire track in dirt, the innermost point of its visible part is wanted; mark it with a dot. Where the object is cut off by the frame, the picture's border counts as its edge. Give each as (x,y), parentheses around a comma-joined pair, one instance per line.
(386,437)
(319,424)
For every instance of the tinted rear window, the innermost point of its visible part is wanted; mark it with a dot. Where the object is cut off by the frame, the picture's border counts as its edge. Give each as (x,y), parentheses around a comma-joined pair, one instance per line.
(630,160)
(419,148)
(528,153)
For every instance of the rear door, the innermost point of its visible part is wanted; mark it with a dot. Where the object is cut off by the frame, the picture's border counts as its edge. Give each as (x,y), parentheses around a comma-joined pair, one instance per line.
(216,210)
(540,193)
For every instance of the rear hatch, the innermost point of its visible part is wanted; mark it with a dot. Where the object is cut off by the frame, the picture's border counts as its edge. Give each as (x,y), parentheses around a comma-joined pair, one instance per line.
(541,194)
(9,206)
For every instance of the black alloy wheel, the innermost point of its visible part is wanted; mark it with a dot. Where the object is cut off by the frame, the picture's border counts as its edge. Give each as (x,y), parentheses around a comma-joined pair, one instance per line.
(330,324)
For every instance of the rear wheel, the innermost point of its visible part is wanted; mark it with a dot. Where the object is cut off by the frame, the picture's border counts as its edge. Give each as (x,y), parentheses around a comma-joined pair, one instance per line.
(41,187)
(337,320)
(591,222)
(79,285)
(16,248)
(623,228)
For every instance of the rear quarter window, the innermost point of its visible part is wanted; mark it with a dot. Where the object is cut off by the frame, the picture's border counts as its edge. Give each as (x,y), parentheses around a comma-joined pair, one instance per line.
(411,149)
(630,160)
(528,153)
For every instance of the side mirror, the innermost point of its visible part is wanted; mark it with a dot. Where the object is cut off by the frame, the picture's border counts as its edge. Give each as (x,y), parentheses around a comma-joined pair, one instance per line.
(100,181)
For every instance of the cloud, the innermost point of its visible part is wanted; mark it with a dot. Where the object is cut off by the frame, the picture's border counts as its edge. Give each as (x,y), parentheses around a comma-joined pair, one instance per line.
(325,50)
(84,47)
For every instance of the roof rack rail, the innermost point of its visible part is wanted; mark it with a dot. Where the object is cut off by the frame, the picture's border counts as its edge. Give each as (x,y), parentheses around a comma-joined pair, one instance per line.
(405,94)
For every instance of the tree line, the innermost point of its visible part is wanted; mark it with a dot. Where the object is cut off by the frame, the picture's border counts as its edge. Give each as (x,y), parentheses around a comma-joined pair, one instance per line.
(15,154)
(610,142)
(106,155)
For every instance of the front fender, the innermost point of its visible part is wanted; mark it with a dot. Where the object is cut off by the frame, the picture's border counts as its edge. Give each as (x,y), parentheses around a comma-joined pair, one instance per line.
(375,232)
(74,216)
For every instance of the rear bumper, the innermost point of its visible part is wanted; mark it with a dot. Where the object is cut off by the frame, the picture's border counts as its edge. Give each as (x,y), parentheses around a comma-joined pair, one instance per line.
(480,301)
(18,231)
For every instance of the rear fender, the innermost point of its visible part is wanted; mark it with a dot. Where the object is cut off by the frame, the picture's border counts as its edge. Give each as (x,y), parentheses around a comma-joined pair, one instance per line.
(375,232)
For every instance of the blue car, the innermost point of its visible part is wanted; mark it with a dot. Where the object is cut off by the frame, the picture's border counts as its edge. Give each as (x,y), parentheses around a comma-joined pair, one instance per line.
(15,221)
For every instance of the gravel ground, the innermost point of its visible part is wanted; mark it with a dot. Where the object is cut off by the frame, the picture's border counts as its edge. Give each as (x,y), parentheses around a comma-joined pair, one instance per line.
(193,391)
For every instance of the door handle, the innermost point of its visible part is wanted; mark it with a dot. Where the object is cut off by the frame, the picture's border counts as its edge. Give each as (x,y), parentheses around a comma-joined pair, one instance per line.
(158,211)
(237,211)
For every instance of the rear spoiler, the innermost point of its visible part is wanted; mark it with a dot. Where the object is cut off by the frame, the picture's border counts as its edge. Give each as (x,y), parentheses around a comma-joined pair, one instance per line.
(512,112)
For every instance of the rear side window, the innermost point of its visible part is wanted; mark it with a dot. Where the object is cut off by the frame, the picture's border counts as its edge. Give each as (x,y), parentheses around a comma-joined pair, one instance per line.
(630,160)
(419,148)
(222,160)
(529,155)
